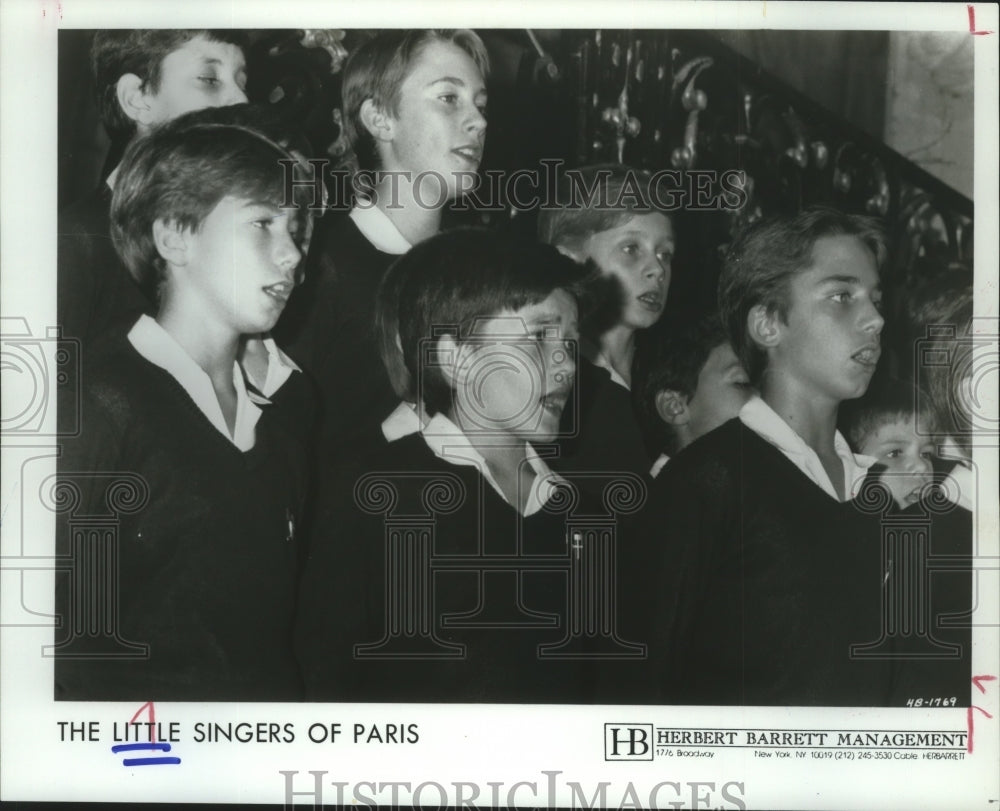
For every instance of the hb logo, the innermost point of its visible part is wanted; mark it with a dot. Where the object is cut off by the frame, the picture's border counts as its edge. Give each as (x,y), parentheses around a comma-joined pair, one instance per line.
(628,741)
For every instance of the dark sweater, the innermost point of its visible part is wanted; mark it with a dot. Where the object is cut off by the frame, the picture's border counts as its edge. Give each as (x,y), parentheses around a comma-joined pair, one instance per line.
(945,618)
(207,568)
(329,329)
(762,581)
(599,427)
(96,293)
(345,595)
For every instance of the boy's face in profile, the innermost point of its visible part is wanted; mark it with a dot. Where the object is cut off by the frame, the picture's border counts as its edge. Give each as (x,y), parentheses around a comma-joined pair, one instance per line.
(440,125)
(515,374)
(906,456)
(241,263)
(637,252)
(723,389)
(201,73)
(829,344)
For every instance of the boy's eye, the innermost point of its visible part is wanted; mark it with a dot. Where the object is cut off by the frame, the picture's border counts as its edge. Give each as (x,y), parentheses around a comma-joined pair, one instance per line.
(482,109)
(893,454)
(841,297)
(630,248)
(209,80)
(449,98)
(666,257)
(263,222)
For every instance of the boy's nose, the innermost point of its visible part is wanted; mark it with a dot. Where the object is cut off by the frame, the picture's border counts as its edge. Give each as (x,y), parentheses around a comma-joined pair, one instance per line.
(562,366)
(656,269)
(873,320)
(235,96)
(287,255)
(476,121)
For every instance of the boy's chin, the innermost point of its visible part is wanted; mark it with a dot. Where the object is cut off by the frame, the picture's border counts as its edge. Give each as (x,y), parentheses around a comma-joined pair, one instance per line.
(259,325)
(547,429)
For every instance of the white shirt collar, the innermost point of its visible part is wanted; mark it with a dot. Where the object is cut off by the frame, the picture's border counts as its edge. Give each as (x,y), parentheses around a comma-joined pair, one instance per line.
(279,368)
(378,229)
(598,359)
(658,465)
(403,421)
(448,442)
(760,418)
(157,346)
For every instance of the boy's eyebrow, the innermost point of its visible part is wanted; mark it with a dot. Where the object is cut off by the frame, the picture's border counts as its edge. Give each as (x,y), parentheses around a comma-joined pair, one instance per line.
(215,61)
(842,279)
(637,232)
(454,80)
(273,207)
(546,318)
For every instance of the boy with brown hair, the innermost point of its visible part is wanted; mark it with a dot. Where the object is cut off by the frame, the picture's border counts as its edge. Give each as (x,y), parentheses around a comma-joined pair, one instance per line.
(144,77)
(768,572)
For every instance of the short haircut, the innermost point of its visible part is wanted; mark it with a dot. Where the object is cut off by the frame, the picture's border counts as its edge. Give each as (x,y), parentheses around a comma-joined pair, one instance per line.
(764,257)
(378,69)
(458,277)
(182,170)
(116,52)
(672,362)
(593,199)
(886,402)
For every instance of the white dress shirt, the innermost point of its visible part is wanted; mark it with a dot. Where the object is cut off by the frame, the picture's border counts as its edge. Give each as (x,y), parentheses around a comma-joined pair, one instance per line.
(377,228)
(157,346)
(763,420)
(448,442)
(658,465)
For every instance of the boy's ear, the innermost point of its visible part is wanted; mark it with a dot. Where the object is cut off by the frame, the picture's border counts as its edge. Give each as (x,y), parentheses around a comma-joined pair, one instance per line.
(446,359)
(171,242)
(763,326)
(133,99)
(573,252)
(376,120)
(672,407)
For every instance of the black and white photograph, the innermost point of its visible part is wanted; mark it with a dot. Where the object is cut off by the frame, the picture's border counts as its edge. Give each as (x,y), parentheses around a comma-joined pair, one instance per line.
(427,410)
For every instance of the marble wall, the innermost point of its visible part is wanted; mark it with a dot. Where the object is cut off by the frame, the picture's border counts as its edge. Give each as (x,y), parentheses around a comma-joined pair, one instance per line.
(929,103)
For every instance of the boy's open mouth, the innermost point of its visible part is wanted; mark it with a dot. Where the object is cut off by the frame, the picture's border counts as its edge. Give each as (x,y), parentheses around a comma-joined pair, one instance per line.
(652,300)
(473,154)
(555,402)
(868,356)
(279,291)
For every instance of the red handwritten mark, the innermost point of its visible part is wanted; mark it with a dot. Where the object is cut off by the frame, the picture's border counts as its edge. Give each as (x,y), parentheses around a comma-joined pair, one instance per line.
(968,715)
(972,23)
(151,713)
(977,679)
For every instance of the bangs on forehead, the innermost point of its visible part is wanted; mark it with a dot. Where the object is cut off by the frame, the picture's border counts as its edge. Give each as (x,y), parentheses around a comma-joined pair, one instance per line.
(267,192)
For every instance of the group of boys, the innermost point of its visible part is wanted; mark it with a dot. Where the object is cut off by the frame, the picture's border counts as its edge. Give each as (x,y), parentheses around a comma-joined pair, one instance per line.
(284,551)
